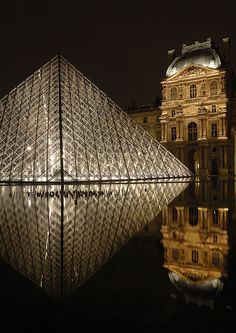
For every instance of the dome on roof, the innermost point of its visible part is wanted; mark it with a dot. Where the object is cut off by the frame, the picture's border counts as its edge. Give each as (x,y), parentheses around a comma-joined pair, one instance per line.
(207,57)
(206,289)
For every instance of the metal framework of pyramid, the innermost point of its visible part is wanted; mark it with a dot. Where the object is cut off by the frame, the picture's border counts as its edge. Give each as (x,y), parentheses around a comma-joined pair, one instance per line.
(98,220)
(58,126)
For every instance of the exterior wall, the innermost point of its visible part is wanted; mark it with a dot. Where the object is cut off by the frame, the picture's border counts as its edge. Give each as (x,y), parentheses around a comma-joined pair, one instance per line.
(211,152)
(149,119)
(212,110)
(197,248)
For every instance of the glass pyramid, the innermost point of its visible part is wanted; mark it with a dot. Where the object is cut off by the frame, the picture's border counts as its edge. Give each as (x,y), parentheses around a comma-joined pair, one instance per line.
(59,239)
(58,126)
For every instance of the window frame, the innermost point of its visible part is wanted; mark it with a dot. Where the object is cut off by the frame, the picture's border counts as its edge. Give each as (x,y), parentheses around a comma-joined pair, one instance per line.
(192,131)
(173,133)
(213,108)
(173,93)
(193,91)
(195,256)
(213,88)
(214,130)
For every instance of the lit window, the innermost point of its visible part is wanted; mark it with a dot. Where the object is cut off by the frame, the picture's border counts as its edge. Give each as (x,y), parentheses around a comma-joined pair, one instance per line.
(214,130)
(195,256)
(215,259)
(175,254)
(213,88)
(215,216)
(193,91)
(192,131)
(173,93)
(213,108)
(173,133)
(145,119)
(173,113)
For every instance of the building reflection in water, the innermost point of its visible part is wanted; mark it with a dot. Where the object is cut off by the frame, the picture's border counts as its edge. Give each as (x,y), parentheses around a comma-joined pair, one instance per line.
(195,238)
(58,239)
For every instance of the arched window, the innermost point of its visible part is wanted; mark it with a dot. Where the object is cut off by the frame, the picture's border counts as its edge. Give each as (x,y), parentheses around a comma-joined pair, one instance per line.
(193,91)
(192,131)
(213,88)
(173,94)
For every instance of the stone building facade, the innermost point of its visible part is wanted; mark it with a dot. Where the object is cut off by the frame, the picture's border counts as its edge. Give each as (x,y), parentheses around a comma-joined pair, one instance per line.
(148,117)
(196,118)
(195,239)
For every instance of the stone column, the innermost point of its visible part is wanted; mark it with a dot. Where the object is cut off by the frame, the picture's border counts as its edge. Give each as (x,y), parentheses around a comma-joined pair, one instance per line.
(224,218)
(204,218)
(204,129)
(224,130)
(162,132)
(177,130)
(166,132)
(180,216)
(202,213)
(200,129)
(220,134)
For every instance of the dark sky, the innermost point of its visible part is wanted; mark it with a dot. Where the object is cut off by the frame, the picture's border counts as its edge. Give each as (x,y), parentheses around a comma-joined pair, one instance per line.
(120,45)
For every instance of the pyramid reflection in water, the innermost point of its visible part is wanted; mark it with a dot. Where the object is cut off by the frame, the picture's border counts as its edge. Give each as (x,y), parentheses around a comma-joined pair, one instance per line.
(59,241)
(58,126)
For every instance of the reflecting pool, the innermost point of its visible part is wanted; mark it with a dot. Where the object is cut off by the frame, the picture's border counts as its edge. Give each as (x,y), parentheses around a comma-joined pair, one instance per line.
(58,237)
(145,256)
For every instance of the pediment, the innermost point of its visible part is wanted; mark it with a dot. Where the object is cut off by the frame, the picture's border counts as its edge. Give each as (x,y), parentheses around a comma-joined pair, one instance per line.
(192,71)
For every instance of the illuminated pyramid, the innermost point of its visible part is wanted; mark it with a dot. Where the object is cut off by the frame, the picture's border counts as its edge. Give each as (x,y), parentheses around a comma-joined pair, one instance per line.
(98,220)
(58,126)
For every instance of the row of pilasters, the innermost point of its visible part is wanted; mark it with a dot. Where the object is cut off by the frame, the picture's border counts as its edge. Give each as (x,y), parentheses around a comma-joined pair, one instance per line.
(222,127)
(205,217)
(164,132)
(202,129)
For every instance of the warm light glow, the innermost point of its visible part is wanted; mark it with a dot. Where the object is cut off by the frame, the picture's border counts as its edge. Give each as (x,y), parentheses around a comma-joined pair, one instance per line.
(99,140)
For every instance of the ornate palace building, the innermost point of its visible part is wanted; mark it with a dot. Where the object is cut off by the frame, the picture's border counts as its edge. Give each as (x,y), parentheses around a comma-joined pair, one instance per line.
(196,118)
(195,239)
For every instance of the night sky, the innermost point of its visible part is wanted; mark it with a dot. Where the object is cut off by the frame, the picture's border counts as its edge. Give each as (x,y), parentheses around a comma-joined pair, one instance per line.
(120,45)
